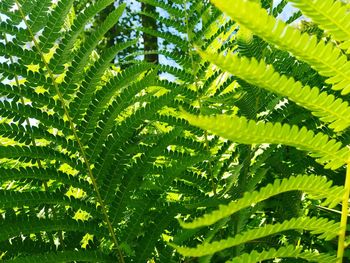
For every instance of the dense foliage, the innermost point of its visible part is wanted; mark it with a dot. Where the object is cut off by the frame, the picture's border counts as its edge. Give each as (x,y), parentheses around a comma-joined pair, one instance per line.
(226,140)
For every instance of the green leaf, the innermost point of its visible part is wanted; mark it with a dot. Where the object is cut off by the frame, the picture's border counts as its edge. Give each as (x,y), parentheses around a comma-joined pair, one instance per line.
(239,129)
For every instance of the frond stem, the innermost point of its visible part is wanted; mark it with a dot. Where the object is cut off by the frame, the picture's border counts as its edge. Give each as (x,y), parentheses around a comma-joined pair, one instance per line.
(271,7)
(344,216)
(80,145)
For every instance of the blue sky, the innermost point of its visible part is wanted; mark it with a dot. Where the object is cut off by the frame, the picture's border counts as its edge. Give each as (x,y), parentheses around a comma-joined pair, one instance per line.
(287,12)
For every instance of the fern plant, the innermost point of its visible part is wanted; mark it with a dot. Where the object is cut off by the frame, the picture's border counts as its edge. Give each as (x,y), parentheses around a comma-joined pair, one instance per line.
(328,57)
(95,162)
(63,106)
(98,159)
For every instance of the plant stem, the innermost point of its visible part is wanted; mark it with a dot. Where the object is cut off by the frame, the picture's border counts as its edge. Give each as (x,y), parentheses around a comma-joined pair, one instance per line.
(344,217)
(271,8)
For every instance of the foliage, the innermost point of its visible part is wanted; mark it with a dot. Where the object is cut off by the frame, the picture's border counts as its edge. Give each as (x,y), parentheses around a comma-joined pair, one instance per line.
(324,57)
(101,156)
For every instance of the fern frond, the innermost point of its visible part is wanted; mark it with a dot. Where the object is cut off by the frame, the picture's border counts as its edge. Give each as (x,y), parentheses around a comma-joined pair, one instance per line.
(36,152)
(11,70)
(117,141)
(82,57)
(98,135)
(39,15)
(324,57)
(25,226)
(317,187)
(241,130)
(171,38)
(38,100)
(27,56)
(172,10)
(93,78)
(148,242)
(178,73)
(65,47)
(283,252)
(27,134)
(65,256)
(107,120)
(325,229)
(331,16)
(172,172)
(18,111)
(327,107)
(5,8)
(14,31)
(10,199)
(43,174)
(55,21)
(168,22)
(102,97)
